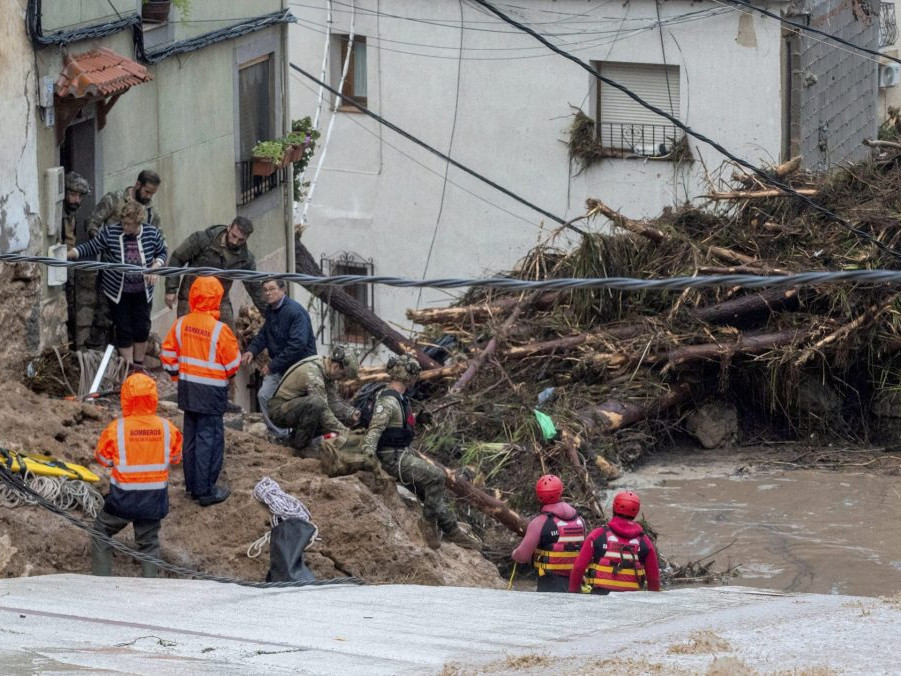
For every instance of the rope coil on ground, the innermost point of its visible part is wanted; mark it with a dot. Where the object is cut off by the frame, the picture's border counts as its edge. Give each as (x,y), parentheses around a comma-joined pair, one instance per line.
(65,494)
(26,492)
(283,506)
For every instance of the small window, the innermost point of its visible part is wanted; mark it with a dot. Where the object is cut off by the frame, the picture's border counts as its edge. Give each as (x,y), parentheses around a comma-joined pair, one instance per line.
(625,124)
(355,82)
(344,329)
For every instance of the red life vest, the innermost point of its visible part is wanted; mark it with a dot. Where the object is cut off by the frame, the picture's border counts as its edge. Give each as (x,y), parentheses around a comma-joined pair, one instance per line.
(617,562)
(558,545)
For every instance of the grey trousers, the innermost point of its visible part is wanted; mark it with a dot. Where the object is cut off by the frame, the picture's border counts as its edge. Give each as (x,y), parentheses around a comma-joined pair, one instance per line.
(267,389)
(147,541)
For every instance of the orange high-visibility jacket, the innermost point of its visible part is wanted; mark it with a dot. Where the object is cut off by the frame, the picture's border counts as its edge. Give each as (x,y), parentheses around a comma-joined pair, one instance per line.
(139,447)
(201,352)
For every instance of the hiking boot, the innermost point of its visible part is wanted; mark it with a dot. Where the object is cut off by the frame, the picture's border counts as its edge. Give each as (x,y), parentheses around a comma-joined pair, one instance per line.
(429,530)
(463,539)
(218,495)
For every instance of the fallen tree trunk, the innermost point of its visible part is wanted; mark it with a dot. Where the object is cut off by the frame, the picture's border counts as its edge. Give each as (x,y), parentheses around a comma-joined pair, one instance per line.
(754,344)
(749,307)
(484,502)
(341,301)
(454,315)
(567,343)
(615,414)
(380,376)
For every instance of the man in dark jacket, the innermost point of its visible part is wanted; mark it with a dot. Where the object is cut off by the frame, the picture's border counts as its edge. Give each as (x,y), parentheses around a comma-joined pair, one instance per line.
(219,246)
(287,335)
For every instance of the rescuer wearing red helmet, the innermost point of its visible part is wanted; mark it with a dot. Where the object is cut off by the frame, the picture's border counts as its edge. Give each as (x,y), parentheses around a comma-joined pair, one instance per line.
(618,556)
(553,538)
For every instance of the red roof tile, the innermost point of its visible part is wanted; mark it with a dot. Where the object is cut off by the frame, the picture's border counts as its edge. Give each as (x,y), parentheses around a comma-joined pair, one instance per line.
(101,72)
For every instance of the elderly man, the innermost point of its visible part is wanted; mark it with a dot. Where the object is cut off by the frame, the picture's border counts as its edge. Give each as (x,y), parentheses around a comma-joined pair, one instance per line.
(219,246)
(307,400)
(287,335)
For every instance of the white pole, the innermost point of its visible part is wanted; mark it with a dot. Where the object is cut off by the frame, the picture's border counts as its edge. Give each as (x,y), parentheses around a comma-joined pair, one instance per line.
(102,369)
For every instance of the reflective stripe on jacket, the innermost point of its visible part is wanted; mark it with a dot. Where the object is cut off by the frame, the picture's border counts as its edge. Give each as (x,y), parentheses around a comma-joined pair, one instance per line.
(139,447)
(559,545)
(201,352)
(617,564)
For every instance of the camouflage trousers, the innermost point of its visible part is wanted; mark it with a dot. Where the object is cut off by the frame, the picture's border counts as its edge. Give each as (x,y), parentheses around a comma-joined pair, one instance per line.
(425,480)
(306,416)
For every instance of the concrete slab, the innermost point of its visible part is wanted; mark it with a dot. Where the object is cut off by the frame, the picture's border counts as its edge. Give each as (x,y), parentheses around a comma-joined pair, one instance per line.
(69,623)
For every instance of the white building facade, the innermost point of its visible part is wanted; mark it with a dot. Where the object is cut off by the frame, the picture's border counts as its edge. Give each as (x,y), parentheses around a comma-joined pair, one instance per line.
(497,101)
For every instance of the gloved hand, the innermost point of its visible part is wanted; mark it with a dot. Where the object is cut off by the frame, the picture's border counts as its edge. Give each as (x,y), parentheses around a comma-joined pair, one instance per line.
(423,417)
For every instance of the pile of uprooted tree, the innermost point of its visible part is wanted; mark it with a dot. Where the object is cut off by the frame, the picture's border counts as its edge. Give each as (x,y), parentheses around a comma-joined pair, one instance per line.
(623,372)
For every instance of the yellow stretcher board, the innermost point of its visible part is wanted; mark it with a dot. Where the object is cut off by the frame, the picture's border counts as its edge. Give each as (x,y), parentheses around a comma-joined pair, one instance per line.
(45,465)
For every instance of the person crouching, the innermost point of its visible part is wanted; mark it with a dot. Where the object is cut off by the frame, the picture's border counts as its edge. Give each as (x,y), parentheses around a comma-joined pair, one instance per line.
(138,448)
(553,538)
(618,556)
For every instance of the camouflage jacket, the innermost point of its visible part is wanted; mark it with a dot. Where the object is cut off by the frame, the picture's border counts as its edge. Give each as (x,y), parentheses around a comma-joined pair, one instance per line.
(207,249)
(107,211)
(307,379)
(387,413)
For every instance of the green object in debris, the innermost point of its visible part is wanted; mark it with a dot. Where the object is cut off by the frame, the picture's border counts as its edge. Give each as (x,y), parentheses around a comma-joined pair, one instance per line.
(548,430)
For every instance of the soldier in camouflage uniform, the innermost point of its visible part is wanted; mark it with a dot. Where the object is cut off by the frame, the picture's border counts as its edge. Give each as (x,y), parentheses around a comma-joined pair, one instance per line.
(388,438)
(76,188)
(307,398)
(219,246)
(93,320)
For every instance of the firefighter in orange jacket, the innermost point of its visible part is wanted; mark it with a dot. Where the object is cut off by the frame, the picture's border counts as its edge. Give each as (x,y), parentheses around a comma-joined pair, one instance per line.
(201,353)
(618,556)
(138,447)
(553,538)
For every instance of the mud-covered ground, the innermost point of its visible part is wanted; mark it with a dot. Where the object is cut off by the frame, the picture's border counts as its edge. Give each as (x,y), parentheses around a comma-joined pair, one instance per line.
(366,529)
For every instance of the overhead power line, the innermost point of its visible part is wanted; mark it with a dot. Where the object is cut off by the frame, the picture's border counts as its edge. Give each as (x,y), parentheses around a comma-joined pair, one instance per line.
(764,176)
(393,127)
(508,283)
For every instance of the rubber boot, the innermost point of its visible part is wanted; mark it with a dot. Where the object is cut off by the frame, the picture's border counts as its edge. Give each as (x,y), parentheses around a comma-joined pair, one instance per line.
(463,539)
(101,561)
(149,570)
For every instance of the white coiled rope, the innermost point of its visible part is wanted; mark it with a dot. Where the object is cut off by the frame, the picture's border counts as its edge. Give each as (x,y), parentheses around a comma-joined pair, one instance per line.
(67,494)
(282,506)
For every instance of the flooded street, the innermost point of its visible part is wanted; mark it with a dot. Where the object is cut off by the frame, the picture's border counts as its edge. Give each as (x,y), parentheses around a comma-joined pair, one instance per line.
(798,530)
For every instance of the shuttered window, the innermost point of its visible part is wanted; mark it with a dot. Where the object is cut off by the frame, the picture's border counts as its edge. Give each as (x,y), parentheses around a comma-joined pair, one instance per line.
(624,123)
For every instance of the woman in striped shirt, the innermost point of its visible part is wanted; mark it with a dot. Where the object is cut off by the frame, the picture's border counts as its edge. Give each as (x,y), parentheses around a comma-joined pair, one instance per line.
(129,294)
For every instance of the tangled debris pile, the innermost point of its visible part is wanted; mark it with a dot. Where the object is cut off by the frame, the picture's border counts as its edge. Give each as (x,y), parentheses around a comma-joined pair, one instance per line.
(622,373)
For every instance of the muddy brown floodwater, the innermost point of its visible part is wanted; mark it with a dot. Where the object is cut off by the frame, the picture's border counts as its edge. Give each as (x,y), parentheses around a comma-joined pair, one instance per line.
(798,530)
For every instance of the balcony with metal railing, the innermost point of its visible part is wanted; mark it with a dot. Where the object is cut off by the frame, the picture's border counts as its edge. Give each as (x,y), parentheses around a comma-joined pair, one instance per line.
(251,186)
(888,26)
(645,140)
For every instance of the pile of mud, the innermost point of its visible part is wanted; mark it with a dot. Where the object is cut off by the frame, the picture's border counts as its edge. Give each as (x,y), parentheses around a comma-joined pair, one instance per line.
(366,530)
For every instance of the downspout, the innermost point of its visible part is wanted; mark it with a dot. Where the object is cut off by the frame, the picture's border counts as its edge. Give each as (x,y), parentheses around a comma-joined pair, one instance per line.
(288,201)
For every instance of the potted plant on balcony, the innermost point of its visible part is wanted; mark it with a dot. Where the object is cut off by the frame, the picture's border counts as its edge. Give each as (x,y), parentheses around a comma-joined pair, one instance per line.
(297,142)
(268,157)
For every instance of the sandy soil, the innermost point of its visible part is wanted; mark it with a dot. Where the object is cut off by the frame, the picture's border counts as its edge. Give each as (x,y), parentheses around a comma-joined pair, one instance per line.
(366,529)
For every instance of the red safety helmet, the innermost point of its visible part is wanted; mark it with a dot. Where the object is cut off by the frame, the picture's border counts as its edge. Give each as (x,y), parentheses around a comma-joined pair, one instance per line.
(626,504)
(549,489)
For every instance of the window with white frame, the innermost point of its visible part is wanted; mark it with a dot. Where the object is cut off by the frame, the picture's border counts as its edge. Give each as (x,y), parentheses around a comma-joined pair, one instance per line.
(344,329)
(355,82)
(623,123)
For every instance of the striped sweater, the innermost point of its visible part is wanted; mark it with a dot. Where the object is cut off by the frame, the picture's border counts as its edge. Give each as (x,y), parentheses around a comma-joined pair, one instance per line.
(109,244)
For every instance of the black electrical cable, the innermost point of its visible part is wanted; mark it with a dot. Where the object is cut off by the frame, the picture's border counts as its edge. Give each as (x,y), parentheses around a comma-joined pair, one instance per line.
(393,127)
(688,130)
(809,29)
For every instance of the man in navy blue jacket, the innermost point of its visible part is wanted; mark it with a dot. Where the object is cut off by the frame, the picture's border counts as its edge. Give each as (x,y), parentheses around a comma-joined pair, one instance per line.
(287,335)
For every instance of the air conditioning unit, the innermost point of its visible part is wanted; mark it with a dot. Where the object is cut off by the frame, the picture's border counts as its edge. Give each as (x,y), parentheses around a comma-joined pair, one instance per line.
(889,74)
(54,194)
